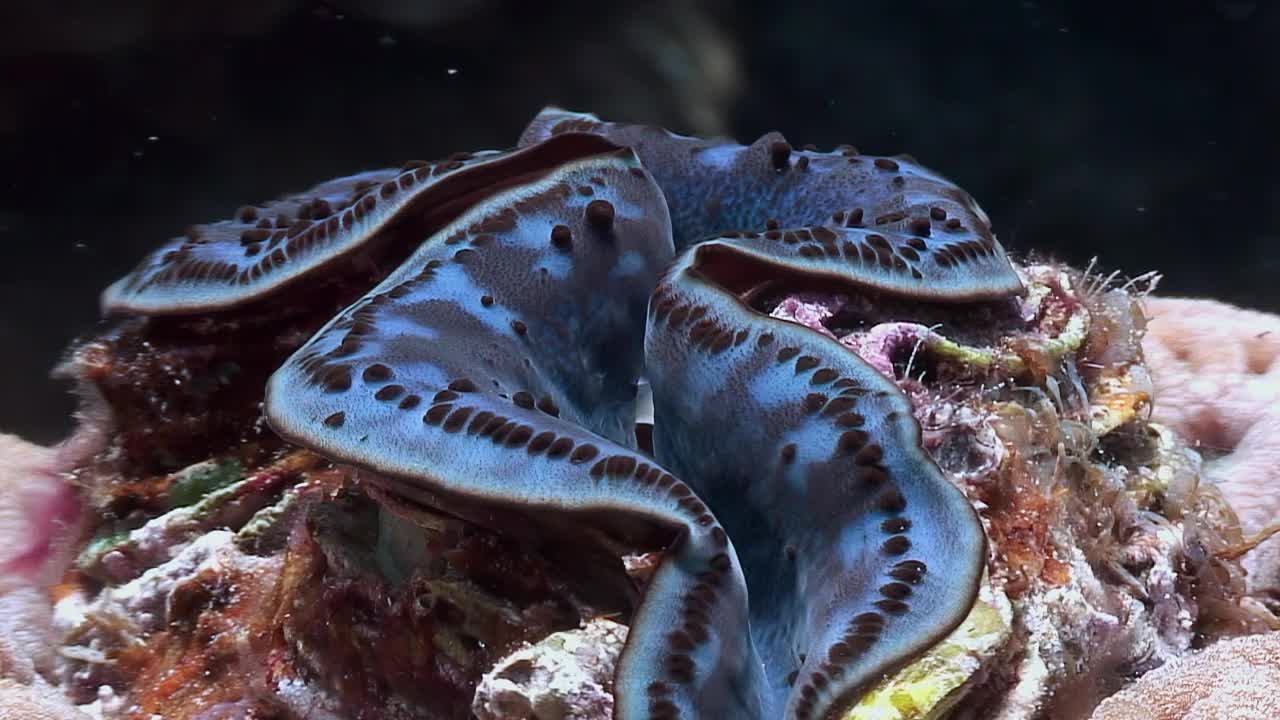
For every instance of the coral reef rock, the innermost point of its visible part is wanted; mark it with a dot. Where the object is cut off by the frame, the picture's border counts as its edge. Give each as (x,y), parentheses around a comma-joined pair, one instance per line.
(568,675)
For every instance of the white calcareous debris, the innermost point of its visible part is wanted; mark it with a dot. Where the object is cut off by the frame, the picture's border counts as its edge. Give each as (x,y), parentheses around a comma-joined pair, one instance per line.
(125,615)
(567,676)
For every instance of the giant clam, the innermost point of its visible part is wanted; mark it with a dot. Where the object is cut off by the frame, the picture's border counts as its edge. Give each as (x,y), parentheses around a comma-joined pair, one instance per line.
(810,545)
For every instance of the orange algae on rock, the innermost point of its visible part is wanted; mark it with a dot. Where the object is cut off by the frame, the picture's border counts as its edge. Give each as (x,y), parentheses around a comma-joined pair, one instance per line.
(208,656)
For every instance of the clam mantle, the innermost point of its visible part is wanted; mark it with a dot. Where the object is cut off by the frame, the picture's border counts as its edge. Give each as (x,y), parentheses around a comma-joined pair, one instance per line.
(810,545)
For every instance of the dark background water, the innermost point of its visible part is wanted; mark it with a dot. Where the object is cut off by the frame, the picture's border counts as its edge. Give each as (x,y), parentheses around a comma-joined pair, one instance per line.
(1142,133)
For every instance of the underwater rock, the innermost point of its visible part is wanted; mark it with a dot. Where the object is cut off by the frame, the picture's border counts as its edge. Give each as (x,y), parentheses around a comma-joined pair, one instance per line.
(914,478)
(568,675)
(1235,678)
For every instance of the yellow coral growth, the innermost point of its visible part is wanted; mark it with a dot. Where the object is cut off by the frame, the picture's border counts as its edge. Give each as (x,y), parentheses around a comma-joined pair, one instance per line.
(930,686)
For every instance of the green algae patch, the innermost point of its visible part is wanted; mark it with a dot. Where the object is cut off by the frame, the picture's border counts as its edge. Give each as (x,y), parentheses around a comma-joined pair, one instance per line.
(107,539)
(931,686)
(193,484)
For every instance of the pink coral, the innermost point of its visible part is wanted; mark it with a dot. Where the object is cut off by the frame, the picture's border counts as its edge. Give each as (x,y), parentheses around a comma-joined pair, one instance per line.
(36,508)
(1237,679)
(811,310)
(1216,370)
(40,517)
(879,345)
